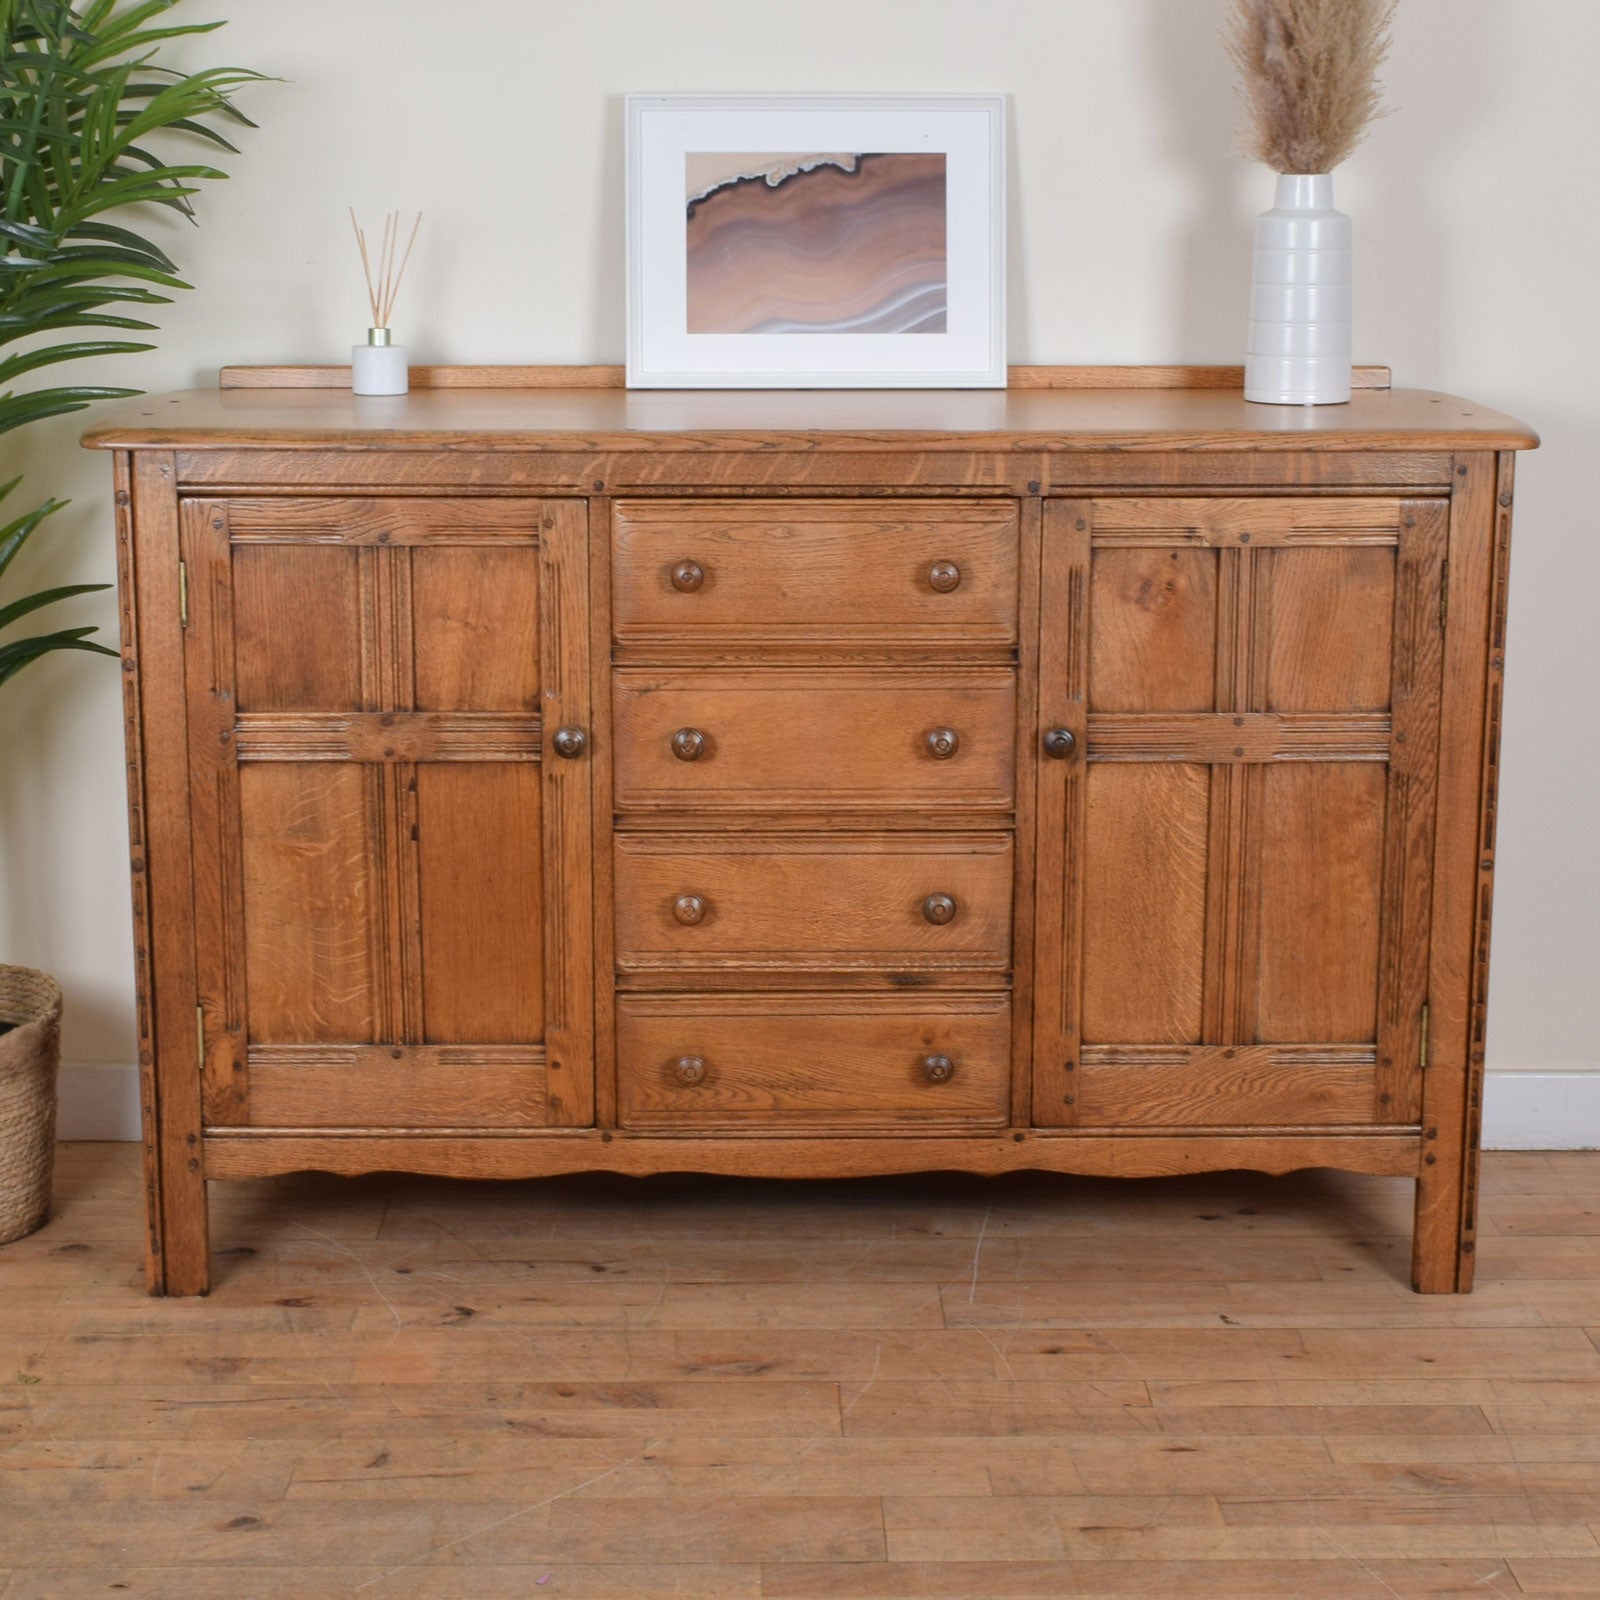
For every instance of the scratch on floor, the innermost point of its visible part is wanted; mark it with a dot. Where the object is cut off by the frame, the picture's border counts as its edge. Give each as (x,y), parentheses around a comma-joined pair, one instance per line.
(345,1249)
(511,1516)
(977,1253)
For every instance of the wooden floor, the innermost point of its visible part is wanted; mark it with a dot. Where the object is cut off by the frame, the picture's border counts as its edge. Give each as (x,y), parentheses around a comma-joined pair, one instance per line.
(909,1387)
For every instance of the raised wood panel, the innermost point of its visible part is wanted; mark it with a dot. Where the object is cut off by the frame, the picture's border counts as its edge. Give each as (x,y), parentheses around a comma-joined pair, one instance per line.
(814,902)
(1299,901)
(481,903)
(396,1086)
(1227,1087)
(1153,637)
(297,629)
(393,875)
(835,739)
(475,628)
(387,736)
(816,570)
(813,1059)
(1321,882)
(1330,628)
(1412,803)
(350,520)
(312,923)
(1144,889)
(1227,522)
(1241,737)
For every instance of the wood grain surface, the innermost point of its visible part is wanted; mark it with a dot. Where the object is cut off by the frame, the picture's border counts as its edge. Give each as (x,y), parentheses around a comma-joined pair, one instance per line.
(795,901)
(830,739)
(810,1060)
(815,572)
(891,1388)
(1137,420)
(494,737)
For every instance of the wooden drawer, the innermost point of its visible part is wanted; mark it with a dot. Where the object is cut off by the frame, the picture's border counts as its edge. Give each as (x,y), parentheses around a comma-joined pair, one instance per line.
(816,902)
(814,1059)
(815,570)
(833,739)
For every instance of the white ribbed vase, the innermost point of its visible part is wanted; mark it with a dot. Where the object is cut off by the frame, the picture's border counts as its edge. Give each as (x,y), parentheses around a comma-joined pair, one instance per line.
(1298,349)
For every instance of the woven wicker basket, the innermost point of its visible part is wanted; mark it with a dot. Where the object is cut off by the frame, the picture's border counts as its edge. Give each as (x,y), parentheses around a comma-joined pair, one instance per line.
(29,1053)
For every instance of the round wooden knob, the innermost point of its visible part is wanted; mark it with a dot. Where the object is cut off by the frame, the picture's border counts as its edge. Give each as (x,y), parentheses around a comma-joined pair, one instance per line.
(689,909)
(688,1070)
(688,744)
(687,576)
(569,742)
(938,1069)
(939,909)
(1059,743)
(942,743)
(943,576)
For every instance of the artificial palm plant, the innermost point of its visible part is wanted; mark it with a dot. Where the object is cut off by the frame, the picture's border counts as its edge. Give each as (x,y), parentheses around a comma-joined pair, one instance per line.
(86,116)
(84,108)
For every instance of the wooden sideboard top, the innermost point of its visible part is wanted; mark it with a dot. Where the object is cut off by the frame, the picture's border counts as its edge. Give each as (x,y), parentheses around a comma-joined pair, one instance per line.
(302,408)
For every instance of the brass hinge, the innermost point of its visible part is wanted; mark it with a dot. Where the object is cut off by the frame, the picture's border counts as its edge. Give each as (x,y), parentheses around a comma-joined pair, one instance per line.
(1424,1047)
(1444,594)
(200,1034)
(183,592)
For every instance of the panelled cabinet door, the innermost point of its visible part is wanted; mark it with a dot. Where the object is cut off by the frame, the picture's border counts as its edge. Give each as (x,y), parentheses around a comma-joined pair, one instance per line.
(1235,845)
(392,883)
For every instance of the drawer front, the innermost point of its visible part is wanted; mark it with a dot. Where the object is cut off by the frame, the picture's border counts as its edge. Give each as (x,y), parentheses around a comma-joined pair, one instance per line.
(833,740)
(815,570)
(814,1059)
(893,902)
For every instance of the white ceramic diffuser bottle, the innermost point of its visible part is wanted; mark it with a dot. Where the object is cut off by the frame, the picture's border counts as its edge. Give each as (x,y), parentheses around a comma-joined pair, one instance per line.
(379,365)
(1298,349)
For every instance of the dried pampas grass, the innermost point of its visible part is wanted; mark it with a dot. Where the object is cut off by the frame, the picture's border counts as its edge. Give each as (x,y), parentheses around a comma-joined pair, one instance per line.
(1308,76)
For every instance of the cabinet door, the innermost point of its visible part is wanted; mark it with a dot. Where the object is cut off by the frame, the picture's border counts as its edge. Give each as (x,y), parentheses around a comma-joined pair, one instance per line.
(1235,854)
(392,862)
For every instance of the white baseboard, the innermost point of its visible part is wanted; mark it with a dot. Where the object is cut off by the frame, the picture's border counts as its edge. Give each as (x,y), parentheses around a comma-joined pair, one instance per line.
(1536,1110)
(1525,1110)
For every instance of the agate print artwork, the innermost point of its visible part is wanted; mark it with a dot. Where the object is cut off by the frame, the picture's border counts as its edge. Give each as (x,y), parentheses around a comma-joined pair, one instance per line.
(821,243)
(802,241)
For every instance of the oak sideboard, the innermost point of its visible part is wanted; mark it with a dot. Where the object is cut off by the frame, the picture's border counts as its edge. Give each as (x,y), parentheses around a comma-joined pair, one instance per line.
(529,776)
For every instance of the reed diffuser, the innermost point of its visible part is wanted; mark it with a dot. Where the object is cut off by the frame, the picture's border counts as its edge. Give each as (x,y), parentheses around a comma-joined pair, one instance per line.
(379,365)
(1308,77)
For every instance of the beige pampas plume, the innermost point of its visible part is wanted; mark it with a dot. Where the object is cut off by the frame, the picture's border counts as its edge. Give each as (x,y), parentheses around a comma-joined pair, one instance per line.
(1308,76)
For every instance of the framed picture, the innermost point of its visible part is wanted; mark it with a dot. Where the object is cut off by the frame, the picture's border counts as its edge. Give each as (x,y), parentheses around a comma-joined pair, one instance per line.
(816,241)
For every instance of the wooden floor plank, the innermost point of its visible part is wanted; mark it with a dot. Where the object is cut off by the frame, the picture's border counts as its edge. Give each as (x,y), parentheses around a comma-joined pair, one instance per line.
(929,1387)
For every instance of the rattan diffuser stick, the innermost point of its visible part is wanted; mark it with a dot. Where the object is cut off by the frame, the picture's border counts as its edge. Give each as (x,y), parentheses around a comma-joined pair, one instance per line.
(384,287)
(1308,77)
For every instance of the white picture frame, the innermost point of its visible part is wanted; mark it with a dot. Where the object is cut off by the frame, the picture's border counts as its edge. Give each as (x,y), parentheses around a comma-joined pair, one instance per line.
(959,344)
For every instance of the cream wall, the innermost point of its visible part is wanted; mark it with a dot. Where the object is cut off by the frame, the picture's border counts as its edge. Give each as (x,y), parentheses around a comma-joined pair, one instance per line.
(1129,243)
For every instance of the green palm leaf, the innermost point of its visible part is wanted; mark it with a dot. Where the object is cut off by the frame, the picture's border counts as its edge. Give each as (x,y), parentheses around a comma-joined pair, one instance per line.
(87,116)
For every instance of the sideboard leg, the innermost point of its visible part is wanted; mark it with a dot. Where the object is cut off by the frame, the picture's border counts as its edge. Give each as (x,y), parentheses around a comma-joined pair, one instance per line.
(1442,1251)
(186,1238)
